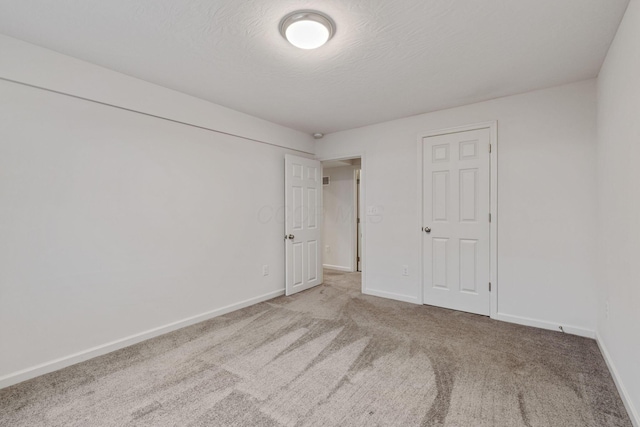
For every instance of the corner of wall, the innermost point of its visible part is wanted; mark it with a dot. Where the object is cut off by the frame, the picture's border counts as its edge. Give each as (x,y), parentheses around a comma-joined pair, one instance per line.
(633,413)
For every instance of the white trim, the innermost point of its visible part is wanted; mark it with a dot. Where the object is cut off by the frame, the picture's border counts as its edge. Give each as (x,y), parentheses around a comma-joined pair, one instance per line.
(338,268)
(493,203)
(543,324)
(354,222)
(634,415)
(493,226)
(391,295)
(363,191)
(72,359)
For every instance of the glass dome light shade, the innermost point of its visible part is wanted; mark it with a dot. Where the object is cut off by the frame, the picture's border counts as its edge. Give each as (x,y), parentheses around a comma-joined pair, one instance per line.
(307,29)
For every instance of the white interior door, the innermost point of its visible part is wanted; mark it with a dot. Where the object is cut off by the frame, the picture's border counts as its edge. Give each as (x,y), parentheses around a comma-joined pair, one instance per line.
(303,223)
(456,233)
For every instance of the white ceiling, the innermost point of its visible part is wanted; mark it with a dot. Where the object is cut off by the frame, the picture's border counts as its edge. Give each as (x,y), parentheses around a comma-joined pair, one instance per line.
(388,59)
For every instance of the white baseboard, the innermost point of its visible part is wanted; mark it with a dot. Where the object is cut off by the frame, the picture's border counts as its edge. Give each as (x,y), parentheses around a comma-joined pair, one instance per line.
(624,394)
(337,267)
(391,295)
(63,362)
(573,330)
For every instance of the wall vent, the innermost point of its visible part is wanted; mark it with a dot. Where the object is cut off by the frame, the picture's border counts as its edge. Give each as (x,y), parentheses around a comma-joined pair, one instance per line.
(325,180)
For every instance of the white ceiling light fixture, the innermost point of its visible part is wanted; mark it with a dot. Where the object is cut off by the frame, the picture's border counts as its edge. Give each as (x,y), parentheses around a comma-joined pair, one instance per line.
(307,29)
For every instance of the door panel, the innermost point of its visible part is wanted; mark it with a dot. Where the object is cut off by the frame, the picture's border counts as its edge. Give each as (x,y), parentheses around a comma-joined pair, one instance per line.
(468,268)
(296,249)
(440,195)
(312,252)
(456,211)
(468,195)
(303,223)
(439,261)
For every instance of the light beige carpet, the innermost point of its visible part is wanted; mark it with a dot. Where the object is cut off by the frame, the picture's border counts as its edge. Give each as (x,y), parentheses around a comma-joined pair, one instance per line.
(332,357)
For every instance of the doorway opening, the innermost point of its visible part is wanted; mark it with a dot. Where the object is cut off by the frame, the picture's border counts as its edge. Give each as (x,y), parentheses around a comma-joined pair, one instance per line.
(343,228)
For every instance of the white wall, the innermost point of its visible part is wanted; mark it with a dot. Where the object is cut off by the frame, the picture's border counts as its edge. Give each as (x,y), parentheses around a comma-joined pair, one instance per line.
(546,198)
(339,218)
(41,67)
(619,201)
(114,224)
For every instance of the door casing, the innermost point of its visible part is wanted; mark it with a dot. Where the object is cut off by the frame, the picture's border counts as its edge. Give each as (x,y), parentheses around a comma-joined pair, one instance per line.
(493,203)
(358,219)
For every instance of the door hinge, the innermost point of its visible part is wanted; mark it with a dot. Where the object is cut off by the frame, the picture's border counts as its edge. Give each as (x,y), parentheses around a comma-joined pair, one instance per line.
(489,286)
(489,147)
(489,216)
(358,259)
(358,220)
(357,181)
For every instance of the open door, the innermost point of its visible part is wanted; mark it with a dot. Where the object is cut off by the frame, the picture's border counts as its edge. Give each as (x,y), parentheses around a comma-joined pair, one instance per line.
(303,223)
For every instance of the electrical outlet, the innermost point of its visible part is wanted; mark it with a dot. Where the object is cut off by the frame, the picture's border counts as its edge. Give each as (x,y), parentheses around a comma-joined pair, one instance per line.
(405,270)
(327,249)
(265,270)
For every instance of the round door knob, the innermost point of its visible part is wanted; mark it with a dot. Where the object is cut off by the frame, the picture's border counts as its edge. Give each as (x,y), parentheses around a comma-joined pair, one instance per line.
(291,236)
(427,230)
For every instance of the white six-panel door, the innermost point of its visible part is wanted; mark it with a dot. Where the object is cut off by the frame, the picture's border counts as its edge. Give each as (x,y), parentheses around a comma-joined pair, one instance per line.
(303,223)
(456,227)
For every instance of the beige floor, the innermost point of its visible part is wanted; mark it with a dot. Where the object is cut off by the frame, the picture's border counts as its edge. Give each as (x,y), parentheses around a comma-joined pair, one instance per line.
(331,356)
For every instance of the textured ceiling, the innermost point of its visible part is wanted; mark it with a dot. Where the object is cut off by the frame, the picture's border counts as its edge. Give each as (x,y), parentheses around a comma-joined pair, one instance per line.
(388,59)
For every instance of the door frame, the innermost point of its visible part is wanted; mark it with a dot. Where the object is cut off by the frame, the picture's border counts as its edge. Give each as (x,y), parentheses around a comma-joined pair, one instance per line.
(493,203)
(363,223)
(357,178)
